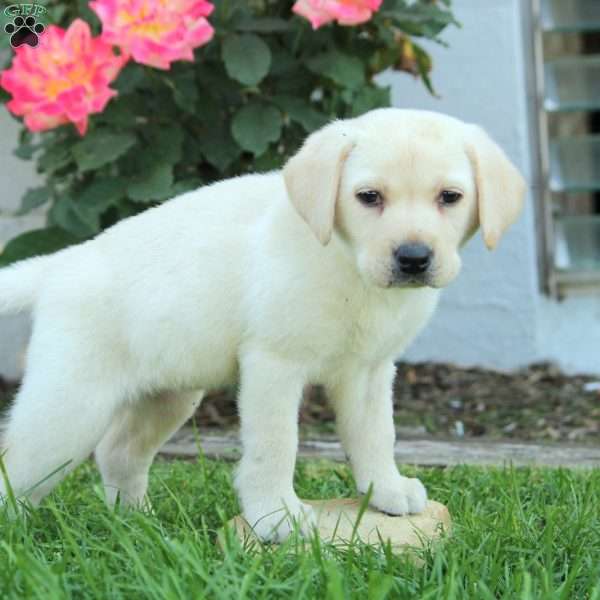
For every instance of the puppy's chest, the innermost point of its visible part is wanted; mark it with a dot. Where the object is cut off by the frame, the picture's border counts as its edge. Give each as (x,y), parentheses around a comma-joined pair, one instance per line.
(380,329)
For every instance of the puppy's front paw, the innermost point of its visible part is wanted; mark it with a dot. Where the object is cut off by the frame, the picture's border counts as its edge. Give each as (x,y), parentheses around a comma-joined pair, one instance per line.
(406,496)
(276,524)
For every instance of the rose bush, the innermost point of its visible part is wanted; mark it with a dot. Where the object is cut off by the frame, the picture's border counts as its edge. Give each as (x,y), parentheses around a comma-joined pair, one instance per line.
(168,96)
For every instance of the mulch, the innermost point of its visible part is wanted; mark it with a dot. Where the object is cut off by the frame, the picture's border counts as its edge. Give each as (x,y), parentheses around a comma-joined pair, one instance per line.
(442,401)
(537,403)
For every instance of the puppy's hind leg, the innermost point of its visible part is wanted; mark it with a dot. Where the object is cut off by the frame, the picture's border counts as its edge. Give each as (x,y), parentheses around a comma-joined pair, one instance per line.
(56,421)
(135,435)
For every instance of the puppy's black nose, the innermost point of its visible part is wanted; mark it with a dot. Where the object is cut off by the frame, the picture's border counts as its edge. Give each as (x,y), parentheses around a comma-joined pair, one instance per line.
(413,259)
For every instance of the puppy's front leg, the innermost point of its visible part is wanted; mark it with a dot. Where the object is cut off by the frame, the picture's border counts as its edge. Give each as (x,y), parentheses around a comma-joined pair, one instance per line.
(362,399)
(270,394)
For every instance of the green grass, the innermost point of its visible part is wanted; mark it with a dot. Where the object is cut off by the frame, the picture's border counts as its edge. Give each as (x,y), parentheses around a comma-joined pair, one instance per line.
(518,533)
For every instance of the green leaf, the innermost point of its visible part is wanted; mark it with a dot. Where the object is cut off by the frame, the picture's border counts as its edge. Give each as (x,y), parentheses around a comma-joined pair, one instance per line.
(191,154)
(185,90)
(267,162)
(343,69)
(64,213)
(124,210)
(56,13)
(103,191)
(101,147)
(418,19)
(284,64)
(219,155)
(301,112)
(219,91)
(186,185)
(424,66)
(168,140)
(265,25)
(212,110)
(255,125)
(129,78)
(25,151)
(369,98)
(5,54)
(155,185)
(161,144)
(55,157)
(247,58)
(33,198)
(93,200)
(164,144)
(85,12)
(36,243)
(120,113)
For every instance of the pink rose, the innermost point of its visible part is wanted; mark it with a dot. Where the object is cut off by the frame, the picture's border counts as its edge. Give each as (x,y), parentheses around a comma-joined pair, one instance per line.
(345,12)
(155,32)
(63,79)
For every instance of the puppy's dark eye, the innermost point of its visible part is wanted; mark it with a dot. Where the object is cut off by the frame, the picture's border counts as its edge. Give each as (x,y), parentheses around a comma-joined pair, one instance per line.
(370,197)
(450,197)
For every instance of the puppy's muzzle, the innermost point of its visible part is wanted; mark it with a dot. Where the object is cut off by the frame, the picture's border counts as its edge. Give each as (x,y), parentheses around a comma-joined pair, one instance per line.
(411,261)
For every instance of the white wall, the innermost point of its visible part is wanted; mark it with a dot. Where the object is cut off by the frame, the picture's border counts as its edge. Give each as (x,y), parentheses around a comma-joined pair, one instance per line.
(569,333)
(15,177)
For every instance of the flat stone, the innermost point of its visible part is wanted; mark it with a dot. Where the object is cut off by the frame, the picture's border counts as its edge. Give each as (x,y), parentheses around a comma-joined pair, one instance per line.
(338,523)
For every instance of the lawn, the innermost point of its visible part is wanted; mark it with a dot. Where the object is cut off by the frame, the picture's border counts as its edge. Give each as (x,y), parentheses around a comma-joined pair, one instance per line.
(518,533)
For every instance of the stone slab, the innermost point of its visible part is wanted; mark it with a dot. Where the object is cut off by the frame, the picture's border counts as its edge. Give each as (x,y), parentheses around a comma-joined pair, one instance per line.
(340,522)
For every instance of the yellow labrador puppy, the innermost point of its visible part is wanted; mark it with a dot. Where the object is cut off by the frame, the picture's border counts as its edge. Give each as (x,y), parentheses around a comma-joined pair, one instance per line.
(323,272)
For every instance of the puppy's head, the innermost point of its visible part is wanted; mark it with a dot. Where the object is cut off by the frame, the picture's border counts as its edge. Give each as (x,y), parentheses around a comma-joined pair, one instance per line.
(404,190)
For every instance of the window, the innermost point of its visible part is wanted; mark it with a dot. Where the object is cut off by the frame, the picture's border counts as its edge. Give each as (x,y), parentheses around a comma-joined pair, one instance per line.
(567,65)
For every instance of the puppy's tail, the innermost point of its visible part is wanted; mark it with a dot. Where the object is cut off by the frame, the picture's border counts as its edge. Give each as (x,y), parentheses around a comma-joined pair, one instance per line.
(20,284)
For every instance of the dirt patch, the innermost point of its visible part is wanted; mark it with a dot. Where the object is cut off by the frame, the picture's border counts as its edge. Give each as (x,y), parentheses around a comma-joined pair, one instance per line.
(441,401)
(537,403)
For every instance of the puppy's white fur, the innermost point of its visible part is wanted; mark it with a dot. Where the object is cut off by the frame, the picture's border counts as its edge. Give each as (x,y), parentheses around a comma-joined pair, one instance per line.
(275,280)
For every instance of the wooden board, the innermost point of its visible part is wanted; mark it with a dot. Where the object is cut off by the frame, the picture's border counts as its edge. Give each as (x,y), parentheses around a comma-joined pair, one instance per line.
(416,452)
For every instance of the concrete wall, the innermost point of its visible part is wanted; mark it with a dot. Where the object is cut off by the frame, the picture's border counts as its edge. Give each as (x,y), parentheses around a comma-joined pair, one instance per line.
(569,333)
(493,315)
(15,177)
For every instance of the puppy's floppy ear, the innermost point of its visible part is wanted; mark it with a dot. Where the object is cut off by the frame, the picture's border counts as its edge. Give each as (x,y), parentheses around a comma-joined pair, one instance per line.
(500,187)
(312,177)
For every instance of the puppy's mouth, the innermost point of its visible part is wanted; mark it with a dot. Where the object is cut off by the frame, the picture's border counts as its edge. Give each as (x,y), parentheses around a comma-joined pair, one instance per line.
(399,279)
(412,282)
(430,277)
